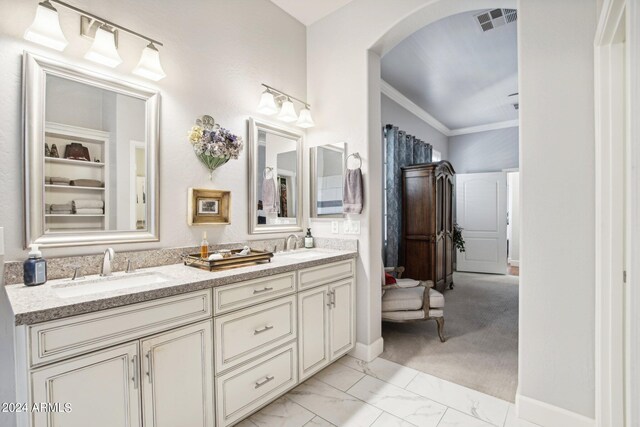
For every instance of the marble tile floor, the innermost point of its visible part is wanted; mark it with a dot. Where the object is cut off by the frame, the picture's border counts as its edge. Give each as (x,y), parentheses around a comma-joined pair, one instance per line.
(382,393)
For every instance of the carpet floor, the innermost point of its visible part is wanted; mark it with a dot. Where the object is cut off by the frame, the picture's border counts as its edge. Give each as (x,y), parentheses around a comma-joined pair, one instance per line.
(481,326)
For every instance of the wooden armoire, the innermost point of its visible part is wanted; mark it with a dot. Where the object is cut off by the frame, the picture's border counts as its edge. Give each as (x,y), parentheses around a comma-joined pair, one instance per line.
(426,244)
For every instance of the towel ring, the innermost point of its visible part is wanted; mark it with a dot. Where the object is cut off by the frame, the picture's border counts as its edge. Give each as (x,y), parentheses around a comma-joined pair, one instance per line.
(267,170)
(355,156)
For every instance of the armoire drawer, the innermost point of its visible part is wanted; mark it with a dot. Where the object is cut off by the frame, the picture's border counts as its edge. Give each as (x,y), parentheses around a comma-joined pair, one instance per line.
(245,389)
(61,339)
(248,293)
(316,276)
(243,334)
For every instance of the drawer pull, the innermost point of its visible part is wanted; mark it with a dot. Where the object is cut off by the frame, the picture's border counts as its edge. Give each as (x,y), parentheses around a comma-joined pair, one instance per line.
(259,291)
(265,329)
(263,382)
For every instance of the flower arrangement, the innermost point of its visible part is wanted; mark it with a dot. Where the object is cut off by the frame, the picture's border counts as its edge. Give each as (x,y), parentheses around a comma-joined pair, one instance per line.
(213,144)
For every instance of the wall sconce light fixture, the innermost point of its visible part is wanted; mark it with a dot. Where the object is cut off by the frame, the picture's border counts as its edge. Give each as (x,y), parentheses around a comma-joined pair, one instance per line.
(272,98)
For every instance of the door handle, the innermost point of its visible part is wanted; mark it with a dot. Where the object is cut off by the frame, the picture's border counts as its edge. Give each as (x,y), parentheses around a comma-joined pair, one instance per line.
(263,382)
(149,366)
(259,291)
(265,329)
(330,299)
(135,379)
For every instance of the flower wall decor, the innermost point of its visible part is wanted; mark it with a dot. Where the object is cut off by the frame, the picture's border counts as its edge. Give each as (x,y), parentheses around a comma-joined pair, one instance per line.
(213,144)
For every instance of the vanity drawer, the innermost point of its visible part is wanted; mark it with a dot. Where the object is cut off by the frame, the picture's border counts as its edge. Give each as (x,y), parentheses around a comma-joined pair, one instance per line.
(244,294)
(243,390)
(60,339)
(323,274)
(244,334)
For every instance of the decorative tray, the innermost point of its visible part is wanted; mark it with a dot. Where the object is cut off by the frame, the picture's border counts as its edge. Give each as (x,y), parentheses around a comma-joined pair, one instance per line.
(234,260)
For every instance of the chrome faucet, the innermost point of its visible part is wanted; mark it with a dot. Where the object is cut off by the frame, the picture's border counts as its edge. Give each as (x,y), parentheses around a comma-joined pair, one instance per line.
(109,254)
(287,247)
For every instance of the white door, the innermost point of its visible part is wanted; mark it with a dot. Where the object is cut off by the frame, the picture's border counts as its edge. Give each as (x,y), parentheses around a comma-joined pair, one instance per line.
(481,212)
(341,318)
(313,321)
(101,389)
(177,380)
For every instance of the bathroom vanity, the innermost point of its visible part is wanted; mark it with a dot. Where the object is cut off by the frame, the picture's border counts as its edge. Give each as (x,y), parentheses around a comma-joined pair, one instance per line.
(184,348)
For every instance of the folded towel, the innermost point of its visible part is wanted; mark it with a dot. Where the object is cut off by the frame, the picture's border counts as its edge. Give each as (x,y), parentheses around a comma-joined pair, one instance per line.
(69,212)
(57,179)
(86,183)
(89,211)
(353,194)
(61,207)
(47,180)
(47,208)
(214,257)
(269,196)
(90,204)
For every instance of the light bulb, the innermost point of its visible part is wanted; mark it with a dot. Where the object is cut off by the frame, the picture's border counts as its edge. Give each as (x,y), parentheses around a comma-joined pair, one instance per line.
(103,51)
(287,112)
(45,29)
(305,120)
(149,66)
(267,105)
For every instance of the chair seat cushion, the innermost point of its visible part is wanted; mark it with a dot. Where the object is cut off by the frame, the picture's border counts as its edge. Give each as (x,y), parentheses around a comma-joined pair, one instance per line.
(436,299)
(402,299)
(399,316)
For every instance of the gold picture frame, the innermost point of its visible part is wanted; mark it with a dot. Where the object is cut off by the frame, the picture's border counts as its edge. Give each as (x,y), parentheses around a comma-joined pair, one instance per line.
(208,207)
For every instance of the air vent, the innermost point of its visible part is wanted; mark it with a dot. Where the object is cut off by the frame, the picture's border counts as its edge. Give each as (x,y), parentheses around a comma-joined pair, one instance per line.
(496,18)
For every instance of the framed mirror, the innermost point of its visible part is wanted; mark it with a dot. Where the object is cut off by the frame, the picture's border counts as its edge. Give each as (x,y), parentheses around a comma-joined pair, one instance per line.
(327,178)
(91,157)
(275,166)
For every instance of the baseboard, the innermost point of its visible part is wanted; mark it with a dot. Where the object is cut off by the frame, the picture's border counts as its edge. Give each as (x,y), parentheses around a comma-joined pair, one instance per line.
(368,352)
(547,415)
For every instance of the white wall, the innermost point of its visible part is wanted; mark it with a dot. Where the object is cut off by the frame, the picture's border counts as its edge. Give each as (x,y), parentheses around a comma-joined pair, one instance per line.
(556,63)
(489,151)
(395,114)
(558,196)
(513,230)
(216,54)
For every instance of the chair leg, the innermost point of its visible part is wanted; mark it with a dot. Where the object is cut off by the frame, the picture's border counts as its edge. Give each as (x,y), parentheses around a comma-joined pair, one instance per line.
(440,321)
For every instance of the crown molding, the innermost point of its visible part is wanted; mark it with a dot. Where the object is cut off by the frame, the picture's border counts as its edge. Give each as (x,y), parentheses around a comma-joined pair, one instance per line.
(416,110)
(484,128)
(412,107)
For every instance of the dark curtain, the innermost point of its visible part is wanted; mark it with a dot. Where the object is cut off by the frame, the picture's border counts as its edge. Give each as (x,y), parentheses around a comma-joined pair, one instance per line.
(400,150)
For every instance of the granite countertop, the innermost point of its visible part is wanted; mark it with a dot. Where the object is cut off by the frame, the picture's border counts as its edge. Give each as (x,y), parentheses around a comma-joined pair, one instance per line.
(35,304)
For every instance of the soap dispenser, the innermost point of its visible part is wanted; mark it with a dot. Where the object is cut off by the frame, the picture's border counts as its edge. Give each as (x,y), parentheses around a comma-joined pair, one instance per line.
(35,267)
(308,239)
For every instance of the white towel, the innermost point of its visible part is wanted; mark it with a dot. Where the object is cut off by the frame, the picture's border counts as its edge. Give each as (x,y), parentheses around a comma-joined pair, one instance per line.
(352,196)
(89,211)
(269,196)
(88,204)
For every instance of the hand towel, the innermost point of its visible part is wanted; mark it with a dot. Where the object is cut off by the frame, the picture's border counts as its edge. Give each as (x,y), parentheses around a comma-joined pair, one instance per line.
(90,204)
(87,183)
(269,196)
(89,211)
(352,196)
(67,212)
(61,207)
(59,180)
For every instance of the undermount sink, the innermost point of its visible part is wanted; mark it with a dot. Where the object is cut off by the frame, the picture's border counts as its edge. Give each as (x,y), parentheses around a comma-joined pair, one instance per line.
(105,284)
(300,255)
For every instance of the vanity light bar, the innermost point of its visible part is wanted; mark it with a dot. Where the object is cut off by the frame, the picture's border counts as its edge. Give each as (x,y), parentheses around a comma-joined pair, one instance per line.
(282,94)
(287,113)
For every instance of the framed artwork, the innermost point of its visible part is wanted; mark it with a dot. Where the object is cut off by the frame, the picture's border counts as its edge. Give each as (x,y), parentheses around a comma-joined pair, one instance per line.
(208,207)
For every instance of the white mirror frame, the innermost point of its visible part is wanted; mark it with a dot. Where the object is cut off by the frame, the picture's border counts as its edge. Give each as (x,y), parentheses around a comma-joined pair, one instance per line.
(254,127)
(313,181)
(35,69)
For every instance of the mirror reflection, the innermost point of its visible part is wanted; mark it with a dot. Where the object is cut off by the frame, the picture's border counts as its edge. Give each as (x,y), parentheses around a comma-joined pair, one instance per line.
(327,176)
(95,155)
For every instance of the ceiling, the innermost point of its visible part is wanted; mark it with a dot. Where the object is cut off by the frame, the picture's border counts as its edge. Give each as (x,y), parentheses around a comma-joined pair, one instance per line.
(457,73)
(310,11)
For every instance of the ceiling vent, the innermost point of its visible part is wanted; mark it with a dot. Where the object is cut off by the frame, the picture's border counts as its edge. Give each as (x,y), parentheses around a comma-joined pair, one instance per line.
(496,18)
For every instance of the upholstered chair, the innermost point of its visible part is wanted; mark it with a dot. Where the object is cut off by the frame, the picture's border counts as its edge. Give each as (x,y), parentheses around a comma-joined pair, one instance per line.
(410,300)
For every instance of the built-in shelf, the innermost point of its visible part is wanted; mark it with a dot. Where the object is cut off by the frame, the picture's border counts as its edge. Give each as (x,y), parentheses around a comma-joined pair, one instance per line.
(73,187)
(74,215)
(73,162)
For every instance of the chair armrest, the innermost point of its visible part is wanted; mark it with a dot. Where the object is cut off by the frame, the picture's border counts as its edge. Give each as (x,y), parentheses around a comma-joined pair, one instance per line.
(426,303)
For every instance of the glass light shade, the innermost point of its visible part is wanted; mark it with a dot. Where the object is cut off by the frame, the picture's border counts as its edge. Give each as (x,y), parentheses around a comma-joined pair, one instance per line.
(149,66)
(305,120)
(103,51)
(287,112)
(267,104)
(45,29)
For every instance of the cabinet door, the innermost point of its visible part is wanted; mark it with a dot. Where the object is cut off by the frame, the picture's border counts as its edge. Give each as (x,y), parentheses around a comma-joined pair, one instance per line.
(341,318)
(101,389)
(313,330)
(177,379)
